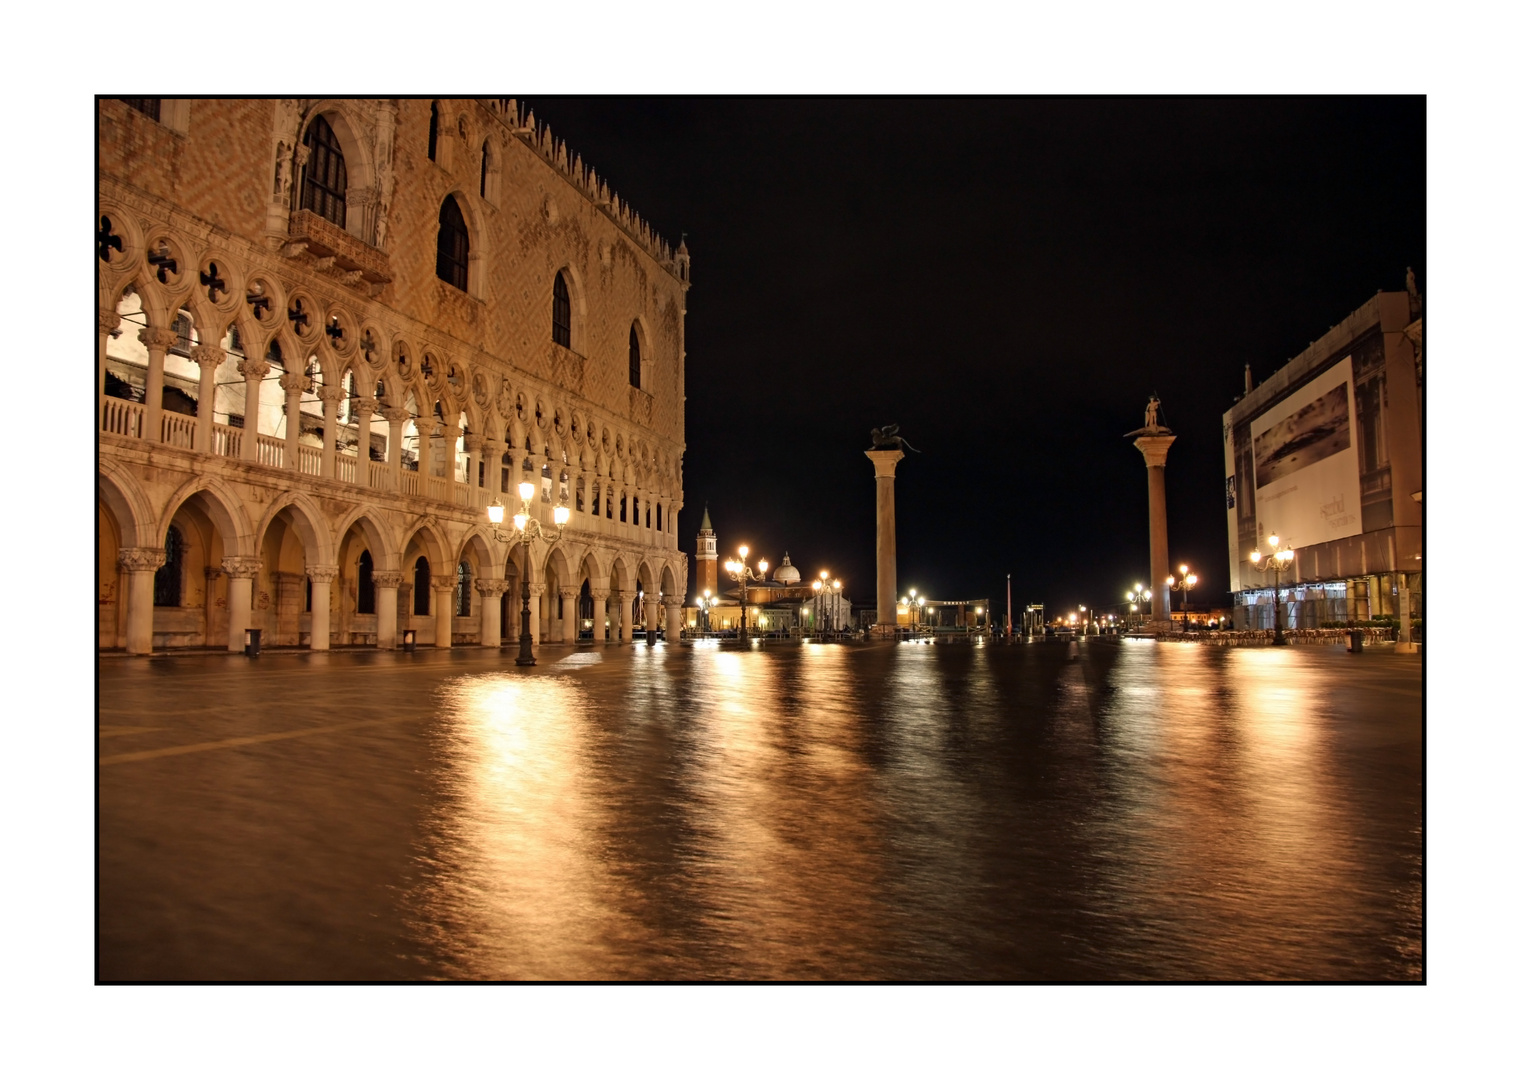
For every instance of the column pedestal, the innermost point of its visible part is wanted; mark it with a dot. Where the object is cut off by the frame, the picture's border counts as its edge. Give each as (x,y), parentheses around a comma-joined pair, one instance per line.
(673,625)
(625,618)
(443,617)
(599,617)
(490,590)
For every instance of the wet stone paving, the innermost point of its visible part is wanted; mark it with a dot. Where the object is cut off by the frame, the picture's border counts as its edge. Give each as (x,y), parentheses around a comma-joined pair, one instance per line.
(1096,810)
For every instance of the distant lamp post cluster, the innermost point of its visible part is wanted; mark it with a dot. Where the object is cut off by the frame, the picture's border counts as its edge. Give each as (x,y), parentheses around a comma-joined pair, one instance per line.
(740,571)
(915,604)
(705,605)
(1276,560)
(826,597)
(1182,583)
(527,528)
(1134,597)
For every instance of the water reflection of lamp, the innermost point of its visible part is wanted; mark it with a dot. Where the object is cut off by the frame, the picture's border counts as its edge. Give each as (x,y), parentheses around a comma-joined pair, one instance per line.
(527,528)
(1276,559)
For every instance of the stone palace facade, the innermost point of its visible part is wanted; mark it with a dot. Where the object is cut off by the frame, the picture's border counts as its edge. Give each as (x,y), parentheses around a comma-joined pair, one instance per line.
(332,333)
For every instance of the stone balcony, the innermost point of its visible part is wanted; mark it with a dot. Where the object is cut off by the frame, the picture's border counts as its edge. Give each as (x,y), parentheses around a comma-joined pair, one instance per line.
(336,252)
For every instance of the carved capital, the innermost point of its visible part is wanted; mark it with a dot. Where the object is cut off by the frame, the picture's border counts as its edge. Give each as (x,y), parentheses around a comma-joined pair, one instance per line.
(321,575)
(491,586)
(330,394)
(109,321)
(293,382)
(157,338)
(242,566)
(139,560)
(301,152)
(208,356)
(386,580)
(600,594)
(535,588)
(569,594)
(253,370)
(473,444)
(364,408)
(397,415)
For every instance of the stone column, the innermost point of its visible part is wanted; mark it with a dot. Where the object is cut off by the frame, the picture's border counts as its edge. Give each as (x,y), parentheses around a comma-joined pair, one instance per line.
(241,570)
(209,357)
(491,452)
(253,372)
(362,412)
(451,470)
(599,615)
(570,619)
(397,417)
(292,382)
(535,630)
(322,605)
(626,616)
(158,342)
(473,458)
(331,394)
(1153,448)
(443,615)
(885,462)
(386,585)
(673,627)
(490,590)
(139,565)
(109,321)
(651,616)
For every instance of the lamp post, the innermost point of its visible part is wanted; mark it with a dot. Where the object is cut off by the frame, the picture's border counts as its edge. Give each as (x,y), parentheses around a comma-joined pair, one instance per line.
(915,604)
(1084,615)
(1182,583)
(1135,596)
(1277,559)
(527,528)
(740,571)
(826,596)
(705,604)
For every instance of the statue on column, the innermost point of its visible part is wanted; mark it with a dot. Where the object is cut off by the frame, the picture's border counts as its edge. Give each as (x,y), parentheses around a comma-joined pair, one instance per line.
(887,438)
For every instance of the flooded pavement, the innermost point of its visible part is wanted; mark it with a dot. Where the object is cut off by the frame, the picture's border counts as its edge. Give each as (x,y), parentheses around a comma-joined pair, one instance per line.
(1090,811)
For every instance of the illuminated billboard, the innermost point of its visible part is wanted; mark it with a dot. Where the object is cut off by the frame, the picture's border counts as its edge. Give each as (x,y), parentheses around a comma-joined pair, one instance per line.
(1305,463)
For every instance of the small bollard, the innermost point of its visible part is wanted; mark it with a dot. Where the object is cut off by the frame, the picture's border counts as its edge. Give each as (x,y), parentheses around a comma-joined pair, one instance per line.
(409,641)
(251,641)
(1354,641)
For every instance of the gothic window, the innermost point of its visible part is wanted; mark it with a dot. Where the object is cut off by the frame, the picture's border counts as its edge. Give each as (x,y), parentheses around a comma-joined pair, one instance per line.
(546,482)
(636,509)
(181,328)
(433,133)
(366,604)
(658,526)
(633,357)
(148,106)
(485,165)
(274,356)
(324,178)
(351,395)
(623,508)
(422,586)
(308,596)
(596,494)
(168,578)
(453,246)
(506,472)
(561,311)
(462,590)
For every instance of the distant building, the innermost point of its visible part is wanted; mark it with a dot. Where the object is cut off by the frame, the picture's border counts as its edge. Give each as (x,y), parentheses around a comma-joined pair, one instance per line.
(1326,454)
(784,603)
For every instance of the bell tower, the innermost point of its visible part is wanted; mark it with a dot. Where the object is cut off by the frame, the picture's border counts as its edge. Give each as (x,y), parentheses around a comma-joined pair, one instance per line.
(707,556)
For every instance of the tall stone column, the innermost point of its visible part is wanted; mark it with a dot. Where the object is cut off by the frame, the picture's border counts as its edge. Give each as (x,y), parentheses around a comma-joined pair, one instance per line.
(626,616)
(473,445)
(322,605)
(397,418)
(241,570)
(599,616)
(490,590)
(492,454)
(331,394)
(673,625)
(443,616)
(885,462)
(109,321)
(209,357)
(535,627)
(451,467)
(158,341)
(386,585)
(651,616)
(253,372)
(1153,447)
(293,383)
(139,565)
(570,623)
(363,410)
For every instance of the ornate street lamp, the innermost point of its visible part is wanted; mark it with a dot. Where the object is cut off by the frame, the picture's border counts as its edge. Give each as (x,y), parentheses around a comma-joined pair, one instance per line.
(705,604)
(526,527)
(826,597)
(1135,596)
(740,571)
(1277,559)
(1182,583)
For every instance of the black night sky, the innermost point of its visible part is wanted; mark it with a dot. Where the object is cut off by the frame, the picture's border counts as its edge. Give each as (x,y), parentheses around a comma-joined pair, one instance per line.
(1008,280)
